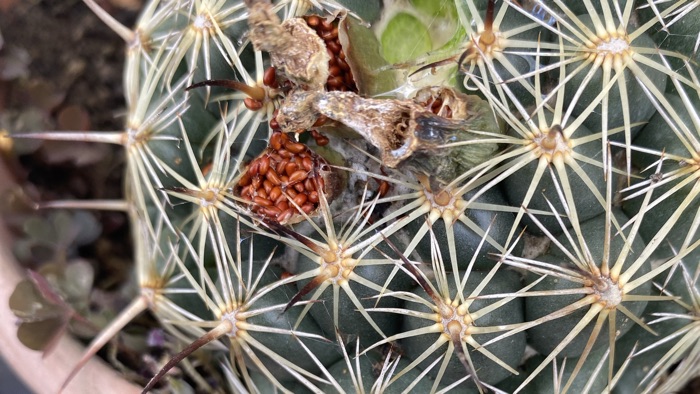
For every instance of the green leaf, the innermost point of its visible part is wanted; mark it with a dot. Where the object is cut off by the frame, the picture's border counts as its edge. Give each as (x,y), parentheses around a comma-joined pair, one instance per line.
(39,335)
(440,8)
(26,303)
(405,38)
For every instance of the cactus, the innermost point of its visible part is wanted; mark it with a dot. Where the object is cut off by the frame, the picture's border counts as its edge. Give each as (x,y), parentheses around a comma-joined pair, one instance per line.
(320,202)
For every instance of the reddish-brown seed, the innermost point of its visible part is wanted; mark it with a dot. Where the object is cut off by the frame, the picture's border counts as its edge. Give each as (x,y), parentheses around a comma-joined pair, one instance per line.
(252,104)
(275,159)
(253,169)
(284,205)
(291,193)
(290,168)
(307,163)
(272,211)
(308,208)
(300,199)
(320,121)
(264,165)
(329,35)
(274,125)
(269,77)
(313,21)
(285,153)
(294,147)
(273,177)
(334,82)
(245,180)
(341,55)
(349,80)
(326,25)
(332,55)
(245,192)
(300,187)
(335,71)
(321,140)
(276,140)
(383,188)
(298,176)
(267,185)
(207,169)
(281,165)
(313,197)
(309,184)
(262,193)
(275,193)
(256,183)
(343,65)
(262,201)
(333,46)
(285,215)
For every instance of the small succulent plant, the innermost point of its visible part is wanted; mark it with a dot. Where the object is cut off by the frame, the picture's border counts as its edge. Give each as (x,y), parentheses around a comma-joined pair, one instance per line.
(386,196)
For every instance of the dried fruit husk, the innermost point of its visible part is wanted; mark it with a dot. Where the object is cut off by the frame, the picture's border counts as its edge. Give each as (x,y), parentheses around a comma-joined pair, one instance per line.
(404,131)
(294,47)
(471,114)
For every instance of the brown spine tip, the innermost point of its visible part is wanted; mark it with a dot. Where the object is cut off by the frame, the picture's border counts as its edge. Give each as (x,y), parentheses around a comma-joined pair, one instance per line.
(254,92)
(223,328)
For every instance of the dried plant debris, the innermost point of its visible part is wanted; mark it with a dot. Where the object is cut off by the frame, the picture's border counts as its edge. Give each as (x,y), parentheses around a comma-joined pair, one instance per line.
(294,47)
(308,52)
(403,129)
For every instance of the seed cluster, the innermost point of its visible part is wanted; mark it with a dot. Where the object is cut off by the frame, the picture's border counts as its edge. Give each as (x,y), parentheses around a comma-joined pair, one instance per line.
(284,180)
(340,77)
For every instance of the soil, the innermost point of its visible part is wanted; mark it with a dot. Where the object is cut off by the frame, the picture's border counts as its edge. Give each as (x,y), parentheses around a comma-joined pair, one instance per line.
(61,69)
(69,49)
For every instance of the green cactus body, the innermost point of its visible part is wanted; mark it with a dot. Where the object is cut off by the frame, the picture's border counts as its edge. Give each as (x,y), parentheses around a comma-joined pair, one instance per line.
(392,196)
